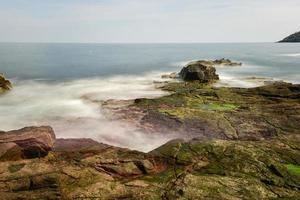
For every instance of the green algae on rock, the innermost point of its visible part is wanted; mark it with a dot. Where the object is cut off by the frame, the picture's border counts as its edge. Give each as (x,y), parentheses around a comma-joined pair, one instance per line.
(293,168)
(246,142)
(225,165)
(195,169)
(200,110)
(236,143)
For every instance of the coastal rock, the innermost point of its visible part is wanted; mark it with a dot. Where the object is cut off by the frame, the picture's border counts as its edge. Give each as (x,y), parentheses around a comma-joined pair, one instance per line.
(292,38)
(199,71)
(4,84)
(68,145)
(195,110)
(256,170)
(179,169)
(237,143)
(226,62)
(29,142)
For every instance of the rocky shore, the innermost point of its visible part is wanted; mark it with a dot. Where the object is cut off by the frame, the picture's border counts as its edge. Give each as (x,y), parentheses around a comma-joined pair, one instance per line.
(195,169)
(236,143)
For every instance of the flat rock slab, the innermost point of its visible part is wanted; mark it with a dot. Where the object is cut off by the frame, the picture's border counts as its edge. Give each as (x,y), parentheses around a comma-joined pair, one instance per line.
(77,144)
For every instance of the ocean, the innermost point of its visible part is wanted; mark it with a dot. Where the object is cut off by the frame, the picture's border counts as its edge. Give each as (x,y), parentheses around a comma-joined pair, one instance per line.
(52,81)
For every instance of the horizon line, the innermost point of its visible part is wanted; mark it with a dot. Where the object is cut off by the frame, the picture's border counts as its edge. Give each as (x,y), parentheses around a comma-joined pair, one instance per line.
(67,42)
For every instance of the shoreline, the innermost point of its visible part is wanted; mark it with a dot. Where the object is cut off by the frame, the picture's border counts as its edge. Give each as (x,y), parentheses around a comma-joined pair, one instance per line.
(155,85)
(264,167)
(242,138)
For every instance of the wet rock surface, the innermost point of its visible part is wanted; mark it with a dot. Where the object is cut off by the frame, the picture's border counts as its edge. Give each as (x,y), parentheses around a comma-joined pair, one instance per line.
(195,110)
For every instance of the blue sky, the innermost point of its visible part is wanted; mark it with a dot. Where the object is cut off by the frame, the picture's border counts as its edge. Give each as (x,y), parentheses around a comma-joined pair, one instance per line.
(148,20)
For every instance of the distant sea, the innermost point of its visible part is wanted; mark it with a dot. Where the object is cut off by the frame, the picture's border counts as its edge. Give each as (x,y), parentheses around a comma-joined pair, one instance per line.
(52,81)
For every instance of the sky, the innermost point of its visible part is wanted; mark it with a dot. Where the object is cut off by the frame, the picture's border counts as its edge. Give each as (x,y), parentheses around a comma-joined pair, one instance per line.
(148,21)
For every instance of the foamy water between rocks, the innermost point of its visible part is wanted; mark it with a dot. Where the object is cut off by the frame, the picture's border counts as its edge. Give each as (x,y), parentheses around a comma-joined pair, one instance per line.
(70,108)
(63,106)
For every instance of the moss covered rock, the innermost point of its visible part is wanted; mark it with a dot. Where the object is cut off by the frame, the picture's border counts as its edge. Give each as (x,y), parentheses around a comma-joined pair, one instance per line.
(195,169)
(196,110)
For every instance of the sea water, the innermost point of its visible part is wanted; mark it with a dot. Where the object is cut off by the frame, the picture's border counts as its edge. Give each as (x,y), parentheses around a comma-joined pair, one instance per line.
(52,82)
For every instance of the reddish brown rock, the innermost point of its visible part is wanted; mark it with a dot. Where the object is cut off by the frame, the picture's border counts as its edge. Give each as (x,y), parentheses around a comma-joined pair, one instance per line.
(77,144)
(29,142)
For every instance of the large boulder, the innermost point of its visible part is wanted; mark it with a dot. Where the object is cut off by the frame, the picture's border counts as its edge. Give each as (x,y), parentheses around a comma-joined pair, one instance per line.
(200,71)
(4,83)
(29,142)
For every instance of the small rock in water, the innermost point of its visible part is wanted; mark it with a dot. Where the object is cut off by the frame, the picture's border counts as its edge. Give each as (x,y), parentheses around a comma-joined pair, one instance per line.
(226,62)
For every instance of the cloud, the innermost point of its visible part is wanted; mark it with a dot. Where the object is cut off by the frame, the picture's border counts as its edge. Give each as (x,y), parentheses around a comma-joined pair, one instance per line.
(148,21)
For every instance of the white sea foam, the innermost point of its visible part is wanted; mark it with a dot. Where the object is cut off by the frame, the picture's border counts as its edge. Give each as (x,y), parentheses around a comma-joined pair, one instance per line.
(242,82)
(61,106)
(292,54)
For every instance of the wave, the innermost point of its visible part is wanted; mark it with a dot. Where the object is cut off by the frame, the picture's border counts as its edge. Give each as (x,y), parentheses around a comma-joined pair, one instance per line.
(292,54)
(62,106)
(243,82)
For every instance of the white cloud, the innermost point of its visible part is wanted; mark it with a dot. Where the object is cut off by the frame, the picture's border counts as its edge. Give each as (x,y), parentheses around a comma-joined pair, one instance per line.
(150,21)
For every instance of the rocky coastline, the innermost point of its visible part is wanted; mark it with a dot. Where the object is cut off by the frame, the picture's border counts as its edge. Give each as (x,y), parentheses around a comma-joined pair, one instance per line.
(235,143)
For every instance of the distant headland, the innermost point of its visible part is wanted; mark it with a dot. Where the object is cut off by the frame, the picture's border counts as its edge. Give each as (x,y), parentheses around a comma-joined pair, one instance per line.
(292,38)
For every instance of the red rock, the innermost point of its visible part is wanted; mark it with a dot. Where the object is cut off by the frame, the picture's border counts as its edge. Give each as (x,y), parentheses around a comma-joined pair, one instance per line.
(77,144)
(29,142)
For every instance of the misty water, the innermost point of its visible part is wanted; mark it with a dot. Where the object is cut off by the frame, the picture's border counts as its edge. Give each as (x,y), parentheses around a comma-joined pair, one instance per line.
(50,81)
